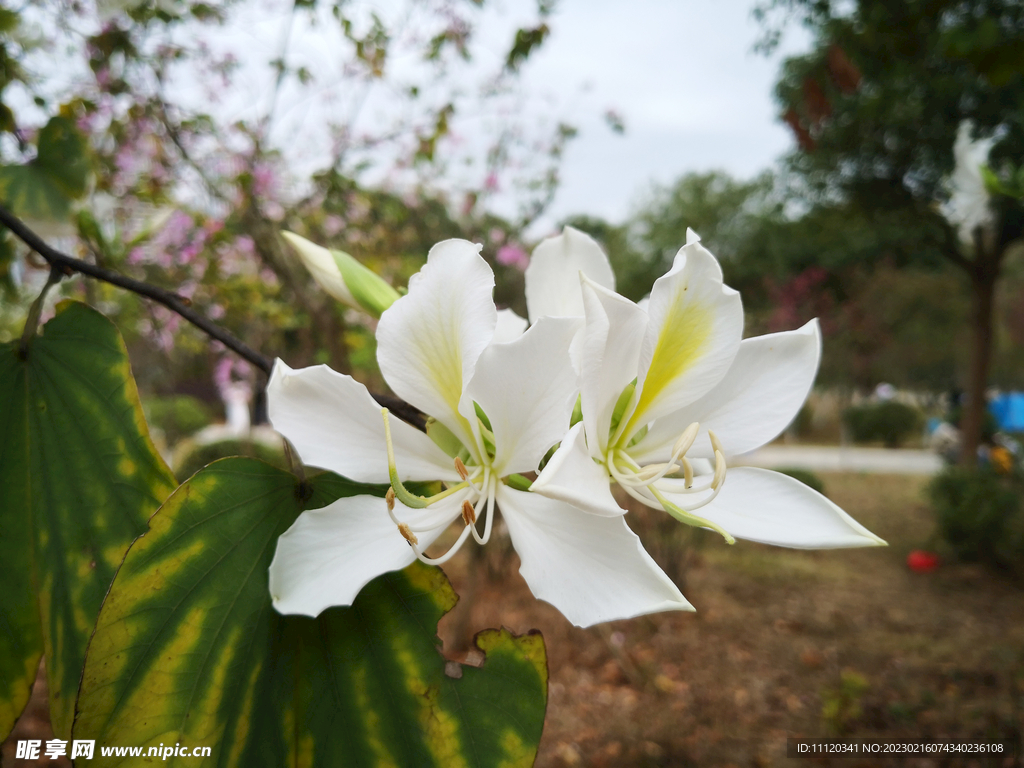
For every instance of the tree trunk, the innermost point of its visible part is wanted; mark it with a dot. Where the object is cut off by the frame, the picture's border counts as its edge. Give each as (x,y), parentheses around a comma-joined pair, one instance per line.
(983,288)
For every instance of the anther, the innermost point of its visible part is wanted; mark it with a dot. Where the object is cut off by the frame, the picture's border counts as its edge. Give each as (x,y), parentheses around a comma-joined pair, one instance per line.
(685,440)
(719,477)
(408,534)
(716,445)
(687,473)
(389,497)
(468,513)
(461,468)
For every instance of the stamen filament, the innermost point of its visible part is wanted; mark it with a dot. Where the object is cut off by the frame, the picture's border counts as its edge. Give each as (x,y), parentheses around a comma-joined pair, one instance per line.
(403,495)
(489,523)
(685,517)
(481,508)
(447,555)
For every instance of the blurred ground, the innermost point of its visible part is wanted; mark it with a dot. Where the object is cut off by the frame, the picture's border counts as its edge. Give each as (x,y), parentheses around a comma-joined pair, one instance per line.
(930,655)
(784,643)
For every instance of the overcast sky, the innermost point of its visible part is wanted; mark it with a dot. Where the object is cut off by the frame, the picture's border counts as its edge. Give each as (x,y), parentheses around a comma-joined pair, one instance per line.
(682,74)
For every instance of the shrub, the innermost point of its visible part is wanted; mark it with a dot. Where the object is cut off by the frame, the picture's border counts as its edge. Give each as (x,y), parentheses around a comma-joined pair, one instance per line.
(178,416)
(890,422)
(980,515)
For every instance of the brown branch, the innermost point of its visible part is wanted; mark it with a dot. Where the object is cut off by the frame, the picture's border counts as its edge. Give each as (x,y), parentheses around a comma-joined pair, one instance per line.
(178,304)
(172,301)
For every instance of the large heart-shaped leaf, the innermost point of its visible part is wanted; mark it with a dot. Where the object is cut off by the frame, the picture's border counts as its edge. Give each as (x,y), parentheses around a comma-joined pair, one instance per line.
(79,477)
(189,651)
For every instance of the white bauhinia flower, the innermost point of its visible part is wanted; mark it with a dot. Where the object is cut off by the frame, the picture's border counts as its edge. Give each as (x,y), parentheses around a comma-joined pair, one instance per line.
(497,407)
(968,207)
(552,279)
(666,387)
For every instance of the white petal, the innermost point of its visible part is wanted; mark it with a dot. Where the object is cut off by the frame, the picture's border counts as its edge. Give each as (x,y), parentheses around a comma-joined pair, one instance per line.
(772,508)
(694,332)
(610,355)
(322,266)
(509,328)
(969,205)
(333,423)
(553,277)
(329,554)
(590,568)
(761,394)
(571,475)
(429,340)
(528,389)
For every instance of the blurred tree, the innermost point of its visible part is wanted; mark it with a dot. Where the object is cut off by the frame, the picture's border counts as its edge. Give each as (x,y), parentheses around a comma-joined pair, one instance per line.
(876,107)
(191,148)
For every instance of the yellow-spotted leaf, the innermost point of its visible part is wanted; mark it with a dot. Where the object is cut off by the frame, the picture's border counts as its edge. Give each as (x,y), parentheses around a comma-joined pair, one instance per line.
(79,477)
(188,651)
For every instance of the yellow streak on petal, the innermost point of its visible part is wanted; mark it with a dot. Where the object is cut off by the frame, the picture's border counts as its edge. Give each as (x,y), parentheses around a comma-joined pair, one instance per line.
(684,339)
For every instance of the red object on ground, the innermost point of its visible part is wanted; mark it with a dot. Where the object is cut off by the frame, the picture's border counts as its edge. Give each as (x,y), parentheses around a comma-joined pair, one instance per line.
(922,562)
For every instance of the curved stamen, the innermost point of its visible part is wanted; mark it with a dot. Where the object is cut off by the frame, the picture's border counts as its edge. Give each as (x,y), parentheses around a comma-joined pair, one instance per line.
(648,484)
(684,516)
(406,497)
(447,555)
(481,506)
(489,523)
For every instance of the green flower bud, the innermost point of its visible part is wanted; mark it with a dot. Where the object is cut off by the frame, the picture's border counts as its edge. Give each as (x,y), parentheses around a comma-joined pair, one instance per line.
(343,277)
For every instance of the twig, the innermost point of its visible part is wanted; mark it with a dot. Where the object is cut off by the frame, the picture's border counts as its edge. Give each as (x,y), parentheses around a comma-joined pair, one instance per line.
(172,301)
(175,303)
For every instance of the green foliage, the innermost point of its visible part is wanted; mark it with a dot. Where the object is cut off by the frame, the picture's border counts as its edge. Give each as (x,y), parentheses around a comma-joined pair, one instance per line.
(980,515)
(80,478)
(890,422)
(189,649)
(44,188)
(195,457)
(177,416)
(841,705)
(806,477)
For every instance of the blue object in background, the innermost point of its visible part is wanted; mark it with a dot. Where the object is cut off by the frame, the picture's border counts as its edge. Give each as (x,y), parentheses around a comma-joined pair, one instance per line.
(1009,411)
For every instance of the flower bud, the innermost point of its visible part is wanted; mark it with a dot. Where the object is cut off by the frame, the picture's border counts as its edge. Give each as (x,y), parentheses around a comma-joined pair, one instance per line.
(343,277)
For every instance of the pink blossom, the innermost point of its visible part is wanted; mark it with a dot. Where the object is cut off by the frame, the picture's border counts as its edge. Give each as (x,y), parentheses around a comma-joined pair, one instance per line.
(264,181)
(333,224)
(513,256)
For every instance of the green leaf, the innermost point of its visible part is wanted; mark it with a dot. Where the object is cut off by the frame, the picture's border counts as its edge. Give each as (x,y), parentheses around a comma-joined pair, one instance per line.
(32,194)
(80,477)
(44,188)
(63,154)
(188,649)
